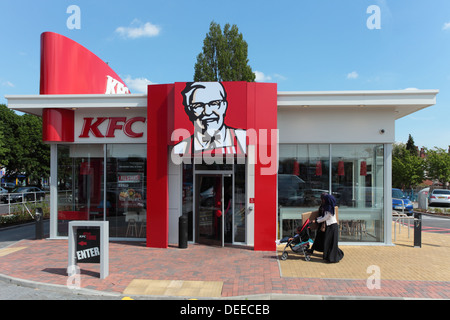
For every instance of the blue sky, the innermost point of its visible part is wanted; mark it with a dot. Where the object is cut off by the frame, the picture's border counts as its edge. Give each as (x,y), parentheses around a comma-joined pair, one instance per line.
(301,45)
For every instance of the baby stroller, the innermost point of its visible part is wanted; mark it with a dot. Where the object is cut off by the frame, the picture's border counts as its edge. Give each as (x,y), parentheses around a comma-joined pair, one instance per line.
(300,242)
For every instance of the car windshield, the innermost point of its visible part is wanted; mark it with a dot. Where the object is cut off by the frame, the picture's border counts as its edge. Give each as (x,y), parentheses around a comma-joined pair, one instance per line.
(20,189)
(441,192)
(397,194)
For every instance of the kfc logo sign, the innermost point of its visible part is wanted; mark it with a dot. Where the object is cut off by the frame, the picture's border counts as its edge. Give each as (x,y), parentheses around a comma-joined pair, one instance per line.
(107,127)
(114,86)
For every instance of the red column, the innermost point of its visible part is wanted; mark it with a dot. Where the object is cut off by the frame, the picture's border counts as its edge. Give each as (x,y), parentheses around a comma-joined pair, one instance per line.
(265,119)
(57,125)
(160,98)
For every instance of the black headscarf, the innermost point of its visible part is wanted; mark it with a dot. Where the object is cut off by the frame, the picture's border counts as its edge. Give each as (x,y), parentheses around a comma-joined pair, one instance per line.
(328,203)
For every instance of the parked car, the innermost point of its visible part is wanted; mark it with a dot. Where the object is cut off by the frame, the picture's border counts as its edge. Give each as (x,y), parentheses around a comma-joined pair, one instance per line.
(439,197)
(8,186)
(290,190)
(19,193)
(399,200)
(3,190)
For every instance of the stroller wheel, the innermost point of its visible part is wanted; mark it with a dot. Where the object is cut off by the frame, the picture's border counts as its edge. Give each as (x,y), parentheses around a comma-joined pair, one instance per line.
(307,258)
(284,256)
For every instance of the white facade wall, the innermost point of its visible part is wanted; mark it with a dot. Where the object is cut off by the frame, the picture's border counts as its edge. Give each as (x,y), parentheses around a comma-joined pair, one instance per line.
(331,125)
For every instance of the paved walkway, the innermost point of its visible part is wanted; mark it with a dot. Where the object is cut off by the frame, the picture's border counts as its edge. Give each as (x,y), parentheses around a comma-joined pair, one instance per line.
(235,272)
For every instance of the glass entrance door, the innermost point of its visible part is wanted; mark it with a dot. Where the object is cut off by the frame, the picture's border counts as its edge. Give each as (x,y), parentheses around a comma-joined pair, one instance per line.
(203,188)
(211,208)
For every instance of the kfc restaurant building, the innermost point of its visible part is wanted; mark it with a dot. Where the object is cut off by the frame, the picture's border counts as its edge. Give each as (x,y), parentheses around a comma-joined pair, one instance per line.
(241,160)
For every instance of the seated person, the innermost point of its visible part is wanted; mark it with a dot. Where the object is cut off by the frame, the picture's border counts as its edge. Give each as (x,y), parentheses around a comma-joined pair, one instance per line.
(296,238)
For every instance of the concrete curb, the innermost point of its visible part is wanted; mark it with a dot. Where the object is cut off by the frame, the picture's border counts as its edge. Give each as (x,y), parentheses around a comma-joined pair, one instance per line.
(432,215)
(55,287)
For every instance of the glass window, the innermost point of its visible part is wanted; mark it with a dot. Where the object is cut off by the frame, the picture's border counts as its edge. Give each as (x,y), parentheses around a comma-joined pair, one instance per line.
(81,193)
(355,178)
(239,216)
(303,175)
(126,190)
(80,184)
(358,185)
(188,197)
(214,166)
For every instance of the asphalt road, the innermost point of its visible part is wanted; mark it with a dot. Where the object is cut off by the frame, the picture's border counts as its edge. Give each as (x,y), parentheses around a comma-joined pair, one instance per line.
(434,224)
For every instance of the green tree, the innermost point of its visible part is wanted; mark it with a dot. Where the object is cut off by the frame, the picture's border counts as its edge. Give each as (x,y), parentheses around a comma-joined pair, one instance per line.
(438,165)
(24,152)
(35,162)
(408,170)
(9,125)
(3,149)
(410,146)
(224,56)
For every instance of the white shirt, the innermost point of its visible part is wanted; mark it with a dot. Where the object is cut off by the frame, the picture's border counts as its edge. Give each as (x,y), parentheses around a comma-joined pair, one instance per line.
(328,217)
(224,139)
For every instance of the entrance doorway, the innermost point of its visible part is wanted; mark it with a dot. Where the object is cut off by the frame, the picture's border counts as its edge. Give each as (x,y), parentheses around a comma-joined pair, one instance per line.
(214,200)
(213,208)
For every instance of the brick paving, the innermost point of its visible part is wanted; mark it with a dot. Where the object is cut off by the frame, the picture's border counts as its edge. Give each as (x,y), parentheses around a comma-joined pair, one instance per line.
(405,272)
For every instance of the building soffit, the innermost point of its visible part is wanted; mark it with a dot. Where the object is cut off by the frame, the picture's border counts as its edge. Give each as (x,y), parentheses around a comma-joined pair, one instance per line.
(400,102)
(34,104)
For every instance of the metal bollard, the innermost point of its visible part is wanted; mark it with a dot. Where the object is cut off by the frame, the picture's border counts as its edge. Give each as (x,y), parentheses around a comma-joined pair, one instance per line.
(423,200)
(183,232)
(39,224)
(417,230)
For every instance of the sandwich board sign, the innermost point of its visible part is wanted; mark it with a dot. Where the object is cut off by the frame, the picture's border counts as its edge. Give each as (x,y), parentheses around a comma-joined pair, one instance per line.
(89,243)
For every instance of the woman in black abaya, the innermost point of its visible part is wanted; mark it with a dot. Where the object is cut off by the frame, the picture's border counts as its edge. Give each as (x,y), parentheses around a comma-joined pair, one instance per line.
(327,241)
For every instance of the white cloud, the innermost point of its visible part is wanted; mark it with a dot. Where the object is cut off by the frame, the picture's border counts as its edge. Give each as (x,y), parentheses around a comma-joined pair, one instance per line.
(279,76)
(353,75)
(8,84)
(446,26)
(137,29)
(261,77)
(138,85)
